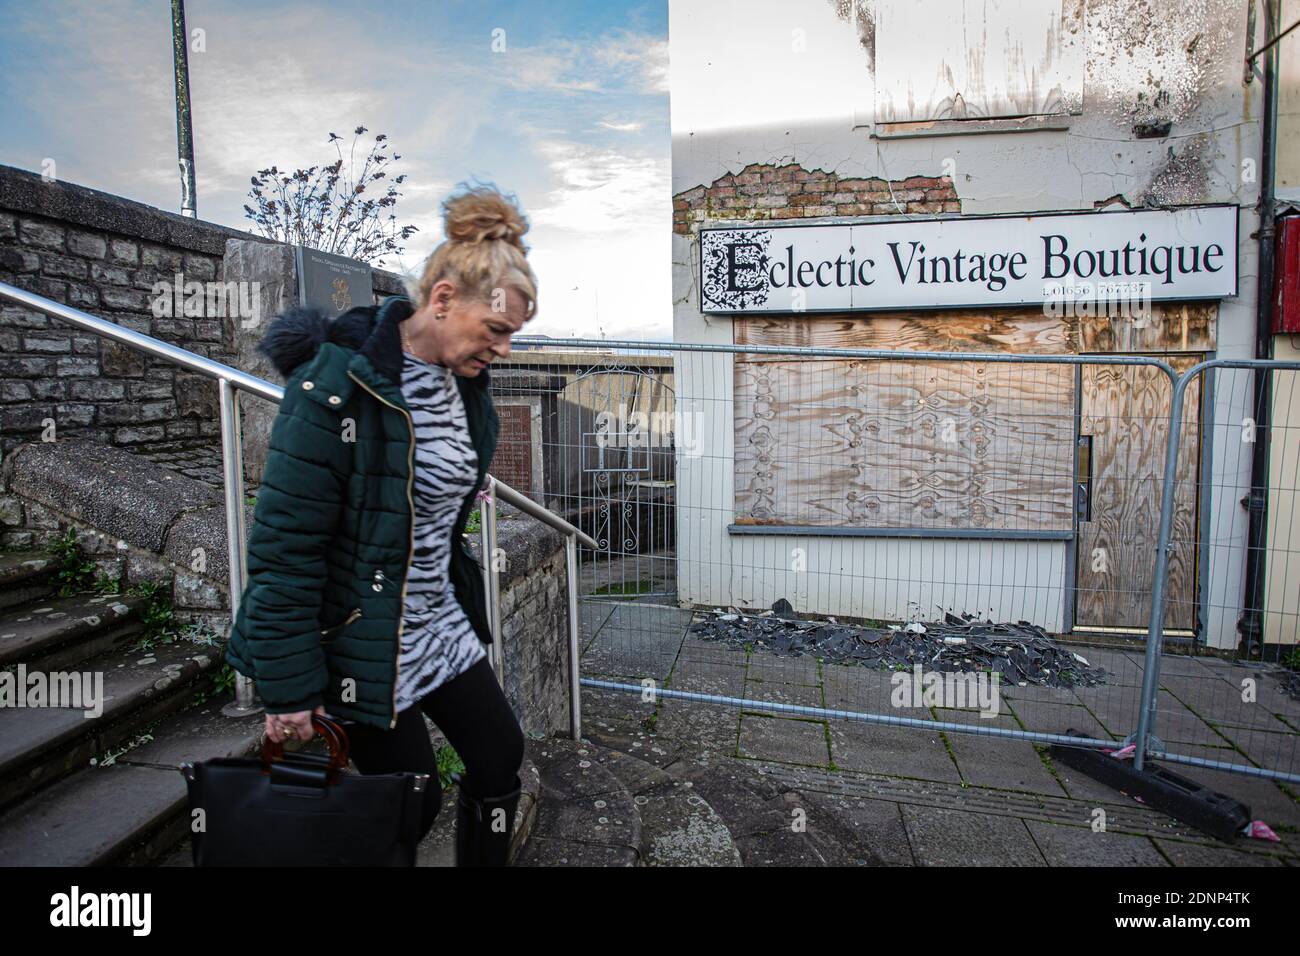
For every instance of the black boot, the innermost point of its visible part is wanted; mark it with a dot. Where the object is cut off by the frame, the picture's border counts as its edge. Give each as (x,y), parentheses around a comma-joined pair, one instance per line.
(484,826)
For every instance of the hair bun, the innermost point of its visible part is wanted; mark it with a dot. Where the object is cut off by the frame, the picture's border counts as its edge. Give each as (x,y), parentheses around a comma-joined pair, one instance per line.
(481,214)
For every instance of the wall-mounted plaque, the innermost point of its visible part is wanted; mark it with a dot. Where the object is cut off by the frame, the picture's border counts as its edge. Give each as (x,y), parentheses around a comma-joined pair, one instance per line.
(332,283)
(518,458)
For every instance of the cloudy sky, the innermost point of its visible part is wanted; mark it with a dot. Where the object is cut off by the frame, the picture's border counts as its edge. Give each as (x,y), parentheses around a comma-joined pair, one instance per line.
(572,116)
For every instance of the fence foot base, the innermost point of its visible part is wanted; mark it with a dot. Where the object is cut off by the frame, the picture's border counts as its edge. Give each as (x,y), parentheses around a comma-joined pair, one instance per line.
(1185,800)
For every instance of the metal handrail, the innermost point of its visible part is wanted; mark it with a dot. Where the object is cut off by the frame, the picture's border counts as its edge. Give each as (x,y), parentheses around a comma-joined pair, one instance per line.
(230,382)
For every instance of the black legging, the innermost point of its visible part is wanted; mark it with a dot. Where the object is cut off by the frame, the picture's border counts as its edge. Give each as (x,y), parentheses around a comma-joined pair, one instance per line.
(478,722)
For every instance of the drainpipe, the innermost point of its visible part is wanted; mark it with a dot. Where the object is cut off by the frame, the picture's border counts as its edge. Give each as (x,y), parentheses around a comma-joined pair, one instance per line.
(1251,622)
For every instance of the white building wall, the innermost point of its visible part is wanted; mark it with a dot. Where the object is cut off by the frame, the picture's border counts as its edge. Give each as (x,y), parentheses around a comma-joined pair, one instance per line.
(781,81)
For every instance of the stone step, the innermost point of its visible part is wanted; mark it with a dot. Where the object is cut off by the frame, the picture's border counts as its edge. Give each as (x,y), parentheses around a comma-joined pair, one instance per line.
(131,811)
(40,744)
(61,633)
(768,821)
(585,815)
(678,825)
(24,576)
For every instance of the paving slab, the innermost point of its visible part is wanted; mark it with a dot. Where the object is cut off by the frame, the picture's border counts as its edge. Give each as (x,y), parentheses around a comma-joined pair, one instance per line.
(902,751)
(1063,845)
(800,695)
(707,727)
(1200,854)
(997,762)
(958,838)
(1056,718)
(783,739)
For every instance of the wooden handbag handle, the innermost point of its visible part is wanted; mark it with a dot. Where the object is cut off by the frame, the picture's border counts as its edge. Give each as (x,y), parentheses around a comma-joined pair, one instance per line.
(336,739)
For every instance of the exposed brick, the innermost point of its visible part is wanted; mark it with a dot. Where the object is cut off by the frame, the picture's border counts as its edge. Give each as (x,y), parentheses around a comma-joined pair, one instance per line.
(885,209)
(952,207)
(925,207)
(749,179)
(693,194)
(87,244)
(819,210)
(41,234)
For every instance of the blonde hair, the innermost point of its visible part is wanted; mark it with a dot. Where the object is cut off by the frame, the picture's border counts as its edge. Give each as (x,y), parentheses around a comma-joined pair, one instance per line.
(483,251)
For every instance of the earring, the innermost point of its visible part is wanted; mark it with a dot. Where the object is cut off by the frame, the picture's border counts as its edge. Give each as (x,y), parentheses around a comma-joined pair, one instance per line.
(439,316)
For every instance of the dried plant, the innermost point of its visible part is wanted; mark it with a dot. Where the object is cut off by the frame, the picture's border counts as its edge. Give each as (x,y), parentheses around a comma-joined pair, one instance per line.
(326,207)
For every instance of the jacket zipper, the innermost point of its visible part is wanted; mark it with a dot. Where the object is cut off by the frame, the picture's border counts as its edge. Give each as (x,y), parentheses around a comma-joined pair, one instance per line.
(410,500)
(356,613)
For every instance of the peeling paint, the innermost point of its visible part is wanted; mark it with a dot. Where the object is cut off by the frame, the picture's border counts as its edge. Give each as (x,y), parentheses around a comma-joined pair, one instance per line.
(1184,177)
(859,14)
(1147,63)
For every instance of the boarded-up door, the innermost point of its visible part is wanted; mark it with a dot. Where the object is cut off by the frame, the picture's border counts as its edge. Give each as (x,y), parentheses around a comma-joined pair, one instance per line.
(1125,410)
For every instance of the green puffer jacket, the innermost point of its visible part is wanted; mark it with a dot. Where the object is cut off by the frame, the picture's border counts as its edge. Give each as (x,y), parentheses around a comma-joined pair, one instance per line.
(319,621)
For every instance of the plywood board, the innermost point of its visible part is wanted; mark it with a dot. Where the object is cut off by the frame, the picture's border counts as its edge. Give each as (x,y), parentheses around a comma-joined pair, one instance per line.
(903,444)
(1170,327)
(1126,409)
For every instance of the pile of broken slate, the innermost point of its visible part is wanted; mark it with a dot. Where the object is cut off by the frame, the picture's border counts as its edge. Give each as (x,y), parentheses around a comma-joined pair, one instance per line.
(1021,653)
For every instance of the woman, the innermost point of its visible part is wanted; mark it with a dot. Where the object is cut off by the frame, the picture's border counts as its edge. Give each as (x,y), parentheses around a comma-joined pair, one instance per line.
(362,600)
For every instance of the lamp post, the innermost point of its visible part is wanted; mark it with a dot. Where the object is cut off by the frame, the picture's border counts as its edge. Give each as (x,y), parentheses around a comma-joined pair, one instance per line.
(184,131)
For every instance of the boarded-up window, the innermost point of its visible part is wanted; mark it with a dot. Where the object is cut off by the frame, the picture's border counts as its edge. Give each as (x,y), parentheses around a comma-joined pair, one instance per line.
(904,444)
(977,59)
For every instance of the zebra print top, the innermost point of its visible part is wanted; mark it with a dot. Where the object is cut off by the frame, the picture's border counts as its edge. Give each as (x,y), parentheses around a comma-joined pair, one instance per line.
(438,642)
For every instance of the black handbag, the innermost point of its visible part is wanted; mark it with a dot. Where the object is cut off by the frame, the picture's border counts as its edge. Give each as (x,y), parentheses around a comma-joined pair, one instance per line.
(300,809)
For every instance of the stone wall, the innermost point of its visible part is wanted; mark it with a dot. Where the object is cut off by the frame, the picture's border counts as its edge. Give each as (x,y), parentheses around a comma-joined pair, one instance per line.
(534,620)
(138,521)
(103,254)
